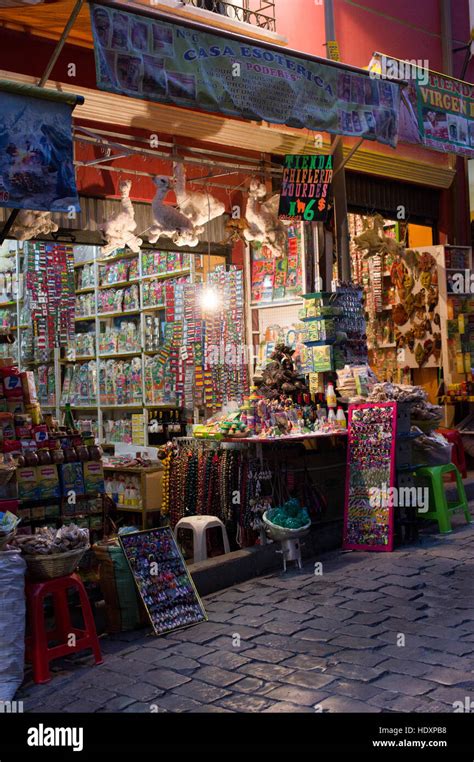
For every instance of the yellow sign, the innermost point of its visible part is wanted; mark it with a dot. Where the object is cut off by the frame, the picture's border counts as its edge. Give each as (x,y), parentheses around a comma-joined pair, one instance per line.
(332,48)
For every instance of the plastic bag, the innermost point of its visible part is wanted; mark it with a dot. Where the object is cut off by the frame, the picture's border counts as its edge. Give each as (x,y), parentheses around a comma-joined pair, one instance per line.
(432,450)
(12,623)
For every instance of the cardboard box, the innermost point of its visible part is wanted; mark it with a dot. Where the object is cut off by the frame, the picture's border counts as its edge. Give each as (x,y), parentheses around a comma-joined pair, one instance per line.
(27,480)
(48,481)
(72,479)
(29,387)
(93,476)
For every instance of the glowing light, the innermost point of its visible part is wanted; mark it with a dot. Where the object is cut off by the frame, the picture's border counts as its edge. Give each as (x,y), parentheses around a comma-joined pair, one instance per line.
(209,299)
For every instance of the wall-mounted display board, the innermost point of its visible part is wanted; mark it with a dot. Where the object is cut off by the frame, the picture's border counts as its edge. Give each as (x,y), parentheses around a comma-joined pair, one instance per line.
(162,578)
(370,477)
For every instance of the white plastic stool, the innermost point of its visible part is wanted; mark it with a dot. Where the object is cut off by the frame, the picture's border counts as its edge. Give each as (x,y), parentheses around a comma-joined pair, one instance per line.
(199,526)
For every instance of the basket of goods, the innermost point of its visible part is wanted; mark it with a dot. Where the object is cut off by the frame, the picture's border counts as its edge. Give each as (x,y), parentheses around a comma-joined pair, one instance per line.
(53,553)
(8,525)
(287,521)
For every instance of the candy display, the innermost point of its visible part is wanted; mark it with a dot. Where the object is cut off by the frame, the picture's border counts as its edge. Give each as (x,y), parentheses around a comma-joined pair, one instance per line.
(162,579)
(368,523)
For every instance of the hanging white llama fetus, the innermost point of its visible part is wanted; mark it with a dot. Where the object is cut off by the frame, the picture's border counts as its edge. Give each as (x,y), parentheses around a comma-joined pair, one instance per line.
(118,231)
(262,218)
(169,221)
(31,224)
(196,206)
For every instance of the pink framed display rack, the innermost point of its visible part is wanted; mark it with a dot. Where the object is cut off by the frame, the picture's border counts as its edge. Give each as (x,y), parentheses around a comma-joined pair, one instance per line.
(370,477)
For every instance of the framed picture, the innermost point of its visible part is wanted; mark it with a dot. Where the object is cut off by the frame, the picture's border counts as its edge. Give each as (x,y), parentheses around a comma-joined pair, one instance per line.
(162,579)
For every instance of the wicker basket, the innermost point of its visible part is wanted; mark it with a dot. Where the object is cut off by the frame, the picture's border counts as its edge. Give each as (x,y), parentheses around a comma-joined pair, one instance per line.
(57,565)
(6,538)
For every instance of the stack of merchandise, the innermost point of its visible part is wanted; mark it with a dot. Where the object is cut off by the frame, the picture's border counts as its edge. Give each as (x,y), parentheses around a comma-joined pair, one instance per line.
(50,287)
(80,384)
(199,359)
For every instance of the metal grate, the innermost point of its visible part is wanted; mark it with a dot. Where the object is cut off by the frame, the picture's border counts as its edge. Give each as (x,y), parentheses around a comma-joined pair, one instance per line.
(259,13)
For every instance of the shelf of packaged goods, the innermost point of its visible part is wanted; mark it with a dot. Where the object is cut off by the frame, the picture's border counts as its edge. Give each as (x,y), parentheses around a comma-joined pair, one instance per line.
(161,406)
(84,317)
(132,469)
(79,358)
(131,406)
(154,308)
(171,274)
(86,262)
(106,315)
(39,362)
(279,303)
(87,290)
(78,407)
(10,303)
(120,284)
(120,355)
(117,257)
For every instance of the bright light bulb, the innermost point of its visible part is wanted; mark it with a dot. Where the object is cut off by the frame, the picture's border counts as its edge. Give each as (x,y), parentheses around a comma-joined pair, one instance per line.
(209,299)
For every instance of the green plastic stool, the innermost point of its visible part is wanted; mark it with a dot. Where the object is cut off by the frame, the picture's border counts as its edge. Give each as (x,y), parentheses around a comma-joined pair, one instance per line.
(442,507)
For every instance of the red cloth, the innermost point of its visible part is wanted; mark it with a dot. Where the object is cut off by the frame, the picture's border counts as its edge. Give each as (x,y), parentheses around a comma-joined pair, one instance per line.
(458,456)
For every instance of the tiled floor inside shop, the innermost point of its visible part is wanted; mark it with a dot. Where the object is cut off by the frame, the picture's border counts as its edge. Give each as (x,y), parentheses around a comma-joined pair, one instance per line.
(375,632)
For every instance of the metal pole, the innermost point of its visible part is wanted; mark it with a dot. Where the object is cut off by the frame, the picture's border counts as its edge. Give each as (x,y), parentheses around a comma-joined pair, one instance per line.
(339,178)
(57,51)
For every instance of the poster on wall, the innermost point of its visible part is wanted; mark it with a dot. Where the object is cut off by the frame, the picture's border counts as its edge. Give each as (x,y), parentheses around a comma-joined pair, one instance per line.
(370,477)
(162,579)
(139,55)
(306,187)
(36,154)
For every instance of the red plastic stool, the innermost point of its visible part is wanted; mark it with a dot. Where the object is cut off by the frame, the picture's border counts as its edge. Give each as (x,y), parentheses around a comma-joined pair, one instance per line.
(38,651)
(457,453)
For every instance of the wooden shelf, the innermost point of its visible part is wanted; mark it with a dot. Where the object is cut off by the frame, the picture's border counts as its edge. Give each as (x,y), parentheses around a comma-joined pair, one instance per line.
(117,257)
(105,315)
(84,317)
(119,355)
(156,308)
(161,276)
(120,284)
(79,358)
(86,262)
(87,290)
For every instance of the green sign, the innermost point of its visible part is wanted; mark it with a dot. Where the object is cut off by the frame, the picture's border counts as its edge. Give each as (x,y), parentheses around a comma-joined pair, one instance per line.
(144,57)
(305,188)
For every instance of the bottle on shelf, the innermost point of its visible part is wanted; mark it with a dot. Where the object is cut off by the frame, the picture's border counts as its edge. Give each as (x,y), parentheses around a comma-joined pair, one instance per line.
(331,400)
(341,418)
(331,416)
(69,421)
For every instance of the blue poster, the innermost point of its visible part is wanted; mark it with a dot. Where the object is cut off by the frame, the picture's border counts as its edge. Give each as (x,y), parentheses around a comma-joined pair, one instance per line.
(144,57)
(36,154)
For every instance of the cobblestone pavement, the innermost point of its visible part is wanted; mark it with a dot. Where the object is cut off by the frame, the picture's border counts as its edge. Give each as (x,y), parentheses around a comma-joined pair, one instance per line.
(301,643)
